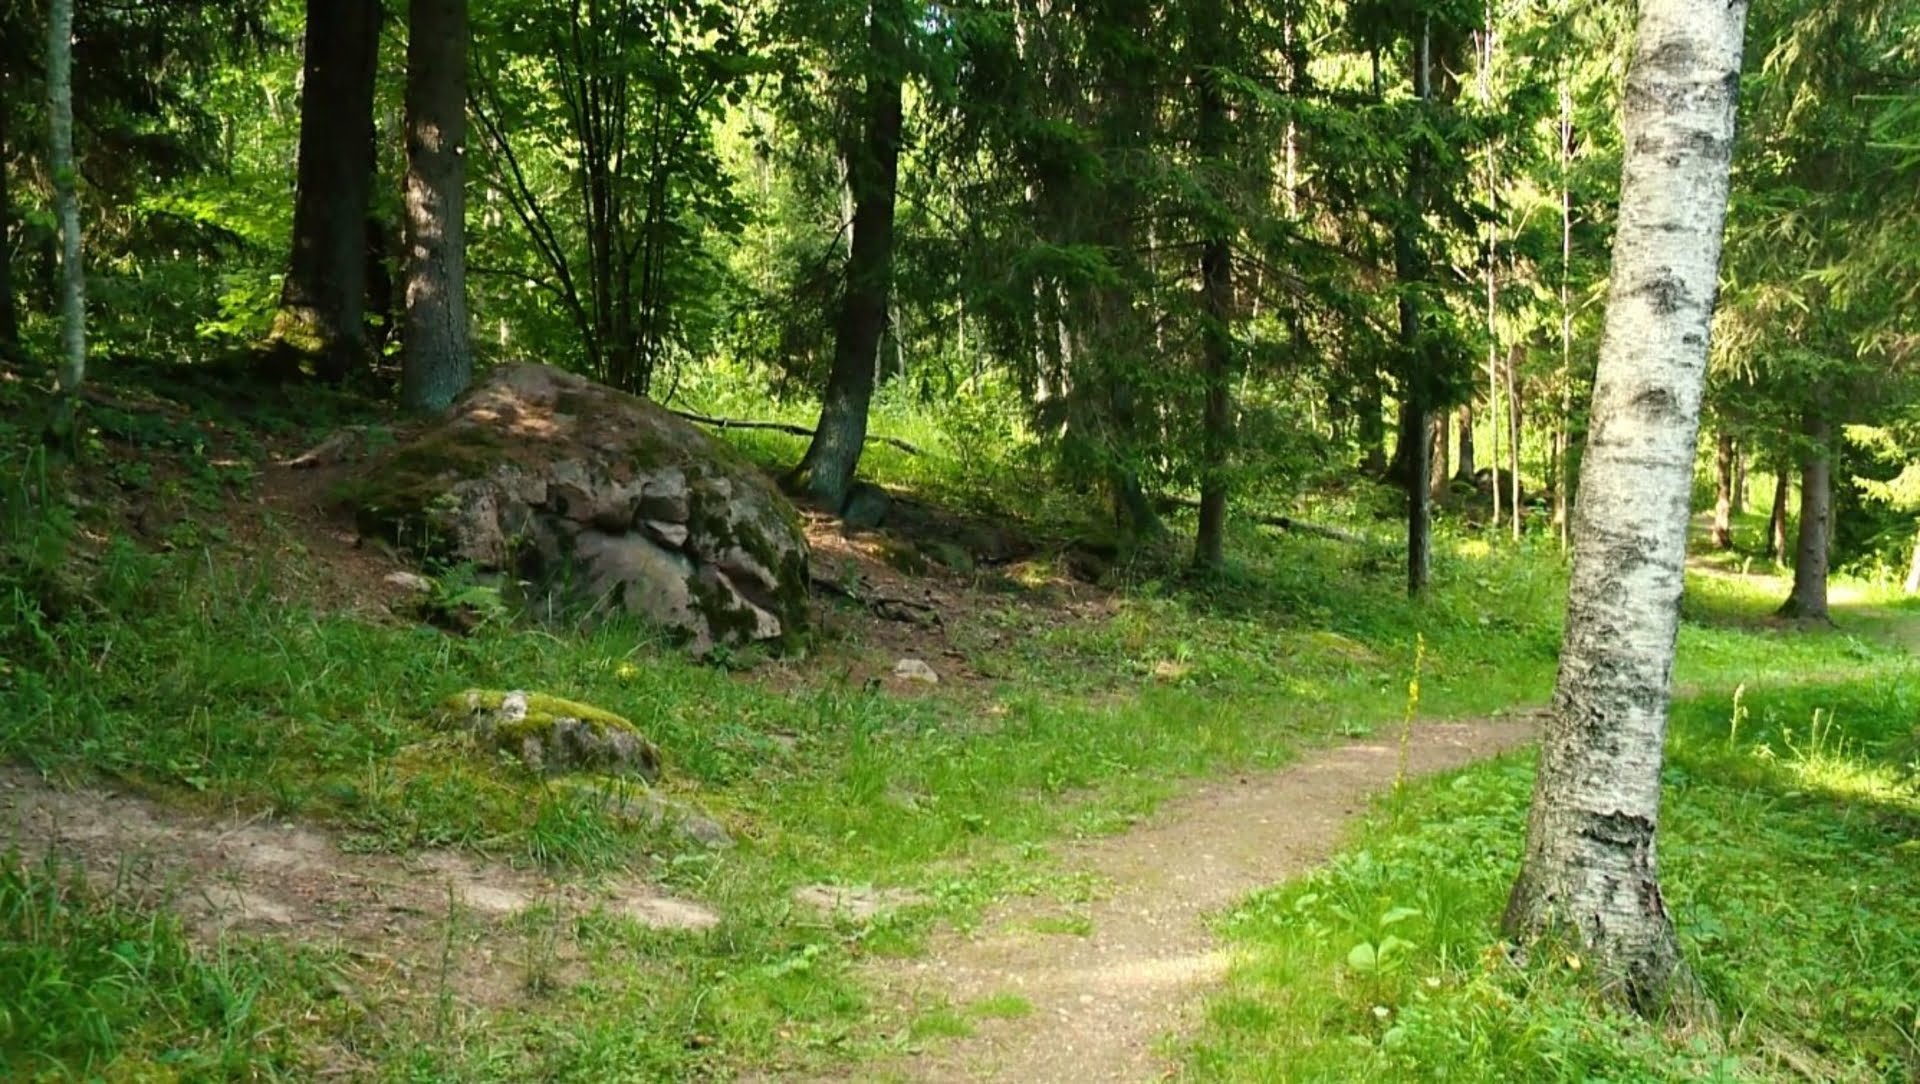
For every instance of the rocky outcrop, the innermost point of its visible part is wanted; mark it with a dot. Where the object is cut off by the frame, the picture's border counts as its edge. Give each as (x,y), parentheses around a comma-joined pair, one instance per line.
(599,497)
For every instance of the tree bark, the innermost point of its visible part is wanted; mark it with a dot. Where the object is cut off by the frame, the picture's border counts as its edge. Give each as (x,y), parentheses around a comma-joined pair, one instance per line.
(1739,478)
(9,315)
(1467,465)
(1589,883)
(1438,471)
(66,204)
(1217,289)
(1514,421)
(826,472)
(1410,267)
(439,359)
(1723,490)
(1373,427)
(322,302)
(1777,522)
(1808,601)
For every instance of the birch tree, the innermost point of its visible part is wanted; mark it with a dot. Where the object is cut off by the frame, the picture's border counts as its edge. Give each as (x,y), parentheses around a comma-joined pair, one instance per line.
(73,305)
(1590,879)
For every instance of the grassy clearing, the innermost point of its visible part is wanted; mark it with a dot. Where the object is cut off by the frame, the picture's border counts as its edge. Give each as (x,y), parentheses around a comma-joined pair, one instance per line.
(1790,841)
(201,676)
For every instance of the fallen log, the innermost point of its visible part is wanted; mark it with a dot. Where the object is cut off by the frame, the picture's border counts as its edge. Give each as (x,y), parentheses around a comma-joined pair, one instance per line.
(1284,523)
(782,427)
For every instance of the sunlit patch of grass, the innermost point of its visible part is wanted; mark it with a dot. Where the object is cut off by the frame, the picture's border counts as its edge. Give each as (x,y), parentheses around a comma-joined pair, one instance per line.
(1000,1007)
(1785,853)
(106,990)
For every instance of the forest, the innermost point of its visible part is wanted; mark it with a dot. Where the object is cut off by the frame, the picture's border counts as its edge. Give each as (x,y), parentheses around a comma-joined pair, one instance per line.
(1008,540)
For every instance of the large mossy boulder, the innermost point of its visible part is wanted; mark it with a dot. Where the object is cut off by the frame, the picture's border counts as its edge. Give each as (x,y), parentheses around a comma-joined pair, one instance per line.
(599,496)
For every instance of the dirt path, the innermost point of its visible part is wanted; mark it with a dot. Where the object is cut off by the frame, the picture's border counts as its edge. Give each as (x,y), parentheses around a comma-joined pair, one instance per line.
(1101,1001)
(282,880)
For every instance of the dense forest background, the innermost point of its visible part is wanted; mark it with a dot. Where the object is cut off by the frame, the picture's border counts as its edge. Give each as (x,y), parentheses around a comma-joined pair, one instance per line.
(1105,639)
(1165,252)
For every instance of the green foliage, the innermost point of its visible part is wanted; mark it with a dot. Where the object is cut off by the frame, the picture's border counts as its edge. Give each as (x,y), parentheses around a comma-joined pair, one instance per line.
(98,989)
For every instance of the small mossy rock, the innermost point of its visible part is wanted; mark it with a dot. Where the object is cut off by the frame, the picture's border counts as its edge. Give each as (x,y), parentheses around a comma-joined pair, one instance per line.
(597,496)
(555,736)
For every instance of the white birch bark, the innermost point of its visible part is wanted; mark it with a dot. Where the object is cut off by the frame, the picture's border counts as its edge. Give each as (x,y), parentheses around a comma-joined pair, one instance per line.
(73,314)
(1590,881)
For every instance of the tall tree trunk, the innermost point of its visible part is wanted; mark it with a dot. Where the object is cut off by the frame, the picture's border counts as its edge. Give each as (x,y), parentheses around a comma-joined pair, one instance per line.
(439,358)
(66,207)
(1777,522)
(1590,882)
(1723,490)
(1216,283)
(322,302)
(1564,448)
(826,472)
(1439,472)
(1373,427)
(9,315)
(1808,601)
(1467,465)
(1410,266)
(1739,478)
(1514,421)
(1485,80)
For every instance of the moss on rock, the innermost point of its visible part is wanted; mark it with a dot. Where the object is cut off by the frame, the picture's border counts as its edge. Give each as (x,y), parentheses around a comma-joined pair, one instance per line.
(552,734)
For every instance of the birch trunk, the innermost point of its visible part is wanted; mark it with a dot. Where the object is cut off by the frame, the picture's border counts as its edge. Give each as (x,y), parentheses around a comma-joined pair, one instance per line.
(1217,292)
(1808,601)
(1514,422)
(66,203)
(9,314)
(439,358)
(1590,881)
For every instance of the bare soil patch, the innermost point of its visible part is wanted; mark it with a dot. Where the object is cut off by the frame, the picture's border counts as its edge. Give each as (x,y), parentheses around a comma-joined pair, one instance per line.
(266,878)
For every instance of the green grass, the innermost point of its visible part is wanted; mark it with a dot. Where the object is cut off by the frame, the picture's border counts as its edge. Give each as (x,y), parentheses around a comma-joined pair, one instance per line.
(202,677)
(95,987)
(1788,859)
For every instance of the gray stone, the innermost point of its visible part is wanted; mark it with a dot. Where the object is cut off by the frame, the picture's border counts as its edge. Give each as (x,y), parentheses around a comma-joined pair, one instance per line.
(409,581)
(552,735)
(915,671)
(672,534)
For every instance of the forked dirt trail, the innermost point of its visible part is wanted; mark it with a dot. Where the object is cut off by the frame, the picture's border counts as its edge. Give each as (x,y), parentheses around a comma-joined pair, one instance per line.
(1101,1001)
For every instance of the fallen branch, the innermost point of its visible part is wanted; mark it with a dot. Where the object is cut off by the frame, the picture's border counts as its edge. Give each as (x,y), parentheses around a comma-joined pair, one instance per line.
(781,427)
(1285,523)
